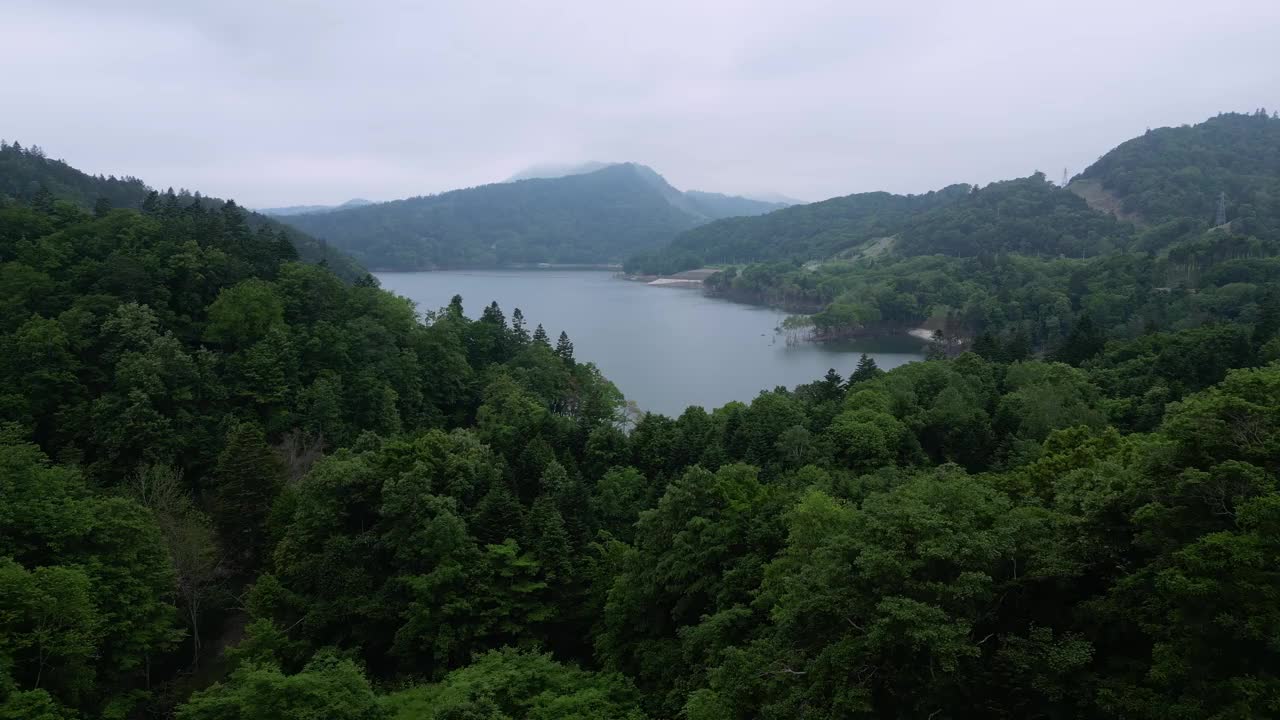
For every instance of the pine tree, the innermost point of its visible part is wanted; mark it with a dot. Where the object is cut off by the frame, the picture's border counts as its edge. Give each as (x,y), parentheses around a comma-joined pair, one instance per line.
(42,200)
(831,385)
(286,252)
(547,539)
(564,348)
(866,370)
(101,207)
(987,347)
(517,327)
(493,315)
(245,482)
(498,515)
(1083,342)
(540,336)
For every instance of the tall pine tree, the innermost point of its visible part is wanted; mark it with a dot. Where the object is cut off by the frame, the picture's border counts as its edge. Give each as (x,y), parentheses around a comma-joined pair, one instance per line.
(245,482)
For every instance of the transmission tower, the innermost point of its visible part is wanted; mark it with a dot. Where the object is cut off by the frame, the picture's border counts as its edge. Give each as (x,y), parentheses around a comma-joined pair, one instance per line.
(1222,210)
(1065,177)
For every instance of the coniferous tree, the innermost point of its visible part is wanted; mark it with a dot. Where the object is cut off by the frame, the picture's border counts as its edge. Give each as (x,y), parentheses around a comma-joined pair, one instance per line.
(540,336)
(547,539)
(564,348)
(866,370)
(245,482)
(1084,341)
(498,515)
(518,330)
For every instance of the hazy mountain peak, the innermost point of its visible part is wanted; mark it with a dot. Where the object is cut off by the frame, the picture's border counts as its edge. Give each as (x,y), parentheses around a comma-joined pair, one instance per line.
(308,209)
(549,171)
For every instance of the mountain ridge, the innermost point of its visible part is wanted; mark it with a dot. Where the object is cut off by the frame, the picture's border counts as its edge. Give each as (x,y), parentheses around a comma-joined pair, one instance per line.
(308,209)
(593,217)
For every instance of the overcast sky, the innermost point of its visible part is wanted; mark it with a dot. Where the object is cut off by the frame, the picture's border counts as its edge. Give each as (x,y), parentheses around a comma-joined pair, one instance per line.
(276,103)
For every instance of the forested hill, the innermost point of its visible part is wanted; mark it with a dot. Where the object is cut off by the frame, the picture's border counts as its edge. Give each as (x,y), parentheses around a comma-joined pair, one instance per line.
(27,174)
(1028,215)
(234,487)
(1177,174)
(1168,181)
(595,217)
(1132,245)
(797,233)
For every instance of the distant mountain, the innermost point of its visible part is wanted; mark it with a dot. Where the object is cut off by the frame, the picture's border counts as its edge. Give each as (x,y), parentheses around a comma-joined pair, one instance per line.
(603,215)
(308,209)
(26,172)
(552,171)
(717,205)
(774,198)
(707,204)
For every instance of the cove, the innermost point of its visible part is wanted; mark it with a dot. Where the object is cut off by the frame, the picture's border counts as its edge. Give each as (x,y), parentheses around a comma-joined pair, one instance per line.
(664,348)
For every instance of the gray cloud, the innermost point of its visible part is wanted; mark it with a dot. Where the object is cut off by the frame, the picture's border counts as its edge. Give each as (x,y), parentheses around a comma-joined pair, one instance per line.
(278,103)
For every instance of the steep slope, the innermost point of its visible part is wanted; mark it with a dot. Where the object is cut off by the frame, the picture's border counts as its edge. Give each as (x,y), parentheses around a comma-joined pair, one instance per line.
(1173,174)
(28,173)
(595,217)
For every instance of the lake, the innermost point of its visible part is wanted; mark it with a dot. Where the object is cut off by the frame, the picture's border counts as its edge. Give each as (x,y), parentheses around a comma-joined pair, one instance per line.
(664,348)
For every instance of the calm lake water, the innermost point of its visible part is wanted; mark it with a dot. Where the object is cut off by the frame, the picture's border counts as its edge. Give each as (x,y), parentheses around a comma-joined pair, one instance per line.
(664,348)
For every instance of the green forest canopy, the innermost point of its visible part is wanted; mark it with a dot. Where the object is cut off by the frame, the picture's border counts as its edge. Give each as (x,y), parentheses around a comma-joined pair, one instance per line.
(395,514)
(28,174)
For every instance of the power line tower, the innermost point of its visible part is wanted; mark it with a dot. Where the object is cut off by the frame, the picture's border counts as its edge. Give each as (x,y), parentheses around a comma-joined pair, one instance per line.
(1065,177)
(1221,219)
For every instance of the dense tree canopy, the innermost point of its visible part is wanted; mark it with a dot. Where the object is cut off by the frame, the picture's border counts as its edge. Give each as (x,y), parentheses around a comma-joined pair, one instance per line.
(1179,174)
(236,487)
(28,174)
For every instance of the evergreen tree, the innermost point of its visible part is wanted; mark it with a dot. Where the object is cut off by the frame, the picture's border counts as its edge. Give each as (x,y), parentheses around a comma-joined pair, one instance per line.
(547,539)
(564,348)
(518,330)
(987,347)
(286,251)
(245,482)
(498,515)
(831,386)
(866,370)
(1084,341)
(540,336)
(101,207)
